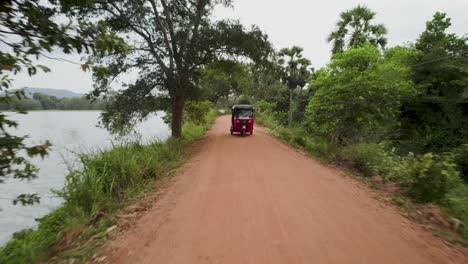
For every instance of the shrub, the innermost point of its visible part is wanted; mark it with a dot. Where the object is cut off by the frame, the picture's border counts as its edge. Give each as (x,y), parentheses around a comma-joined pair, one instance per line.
(322,148)
(264,107)
(366,157)
(266,116)
(317,146)
(28,246)
(374,159)
(283,134)
(192,132)
(461,159)
(299,137)
(197,112)
(295,136)
(359,96)
(430,177)
(107,176)
(457,203)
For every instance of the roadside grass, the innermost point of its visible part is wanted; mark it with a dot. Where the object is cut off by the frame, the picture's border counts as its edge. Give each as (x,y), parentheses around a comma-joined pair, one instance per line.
(94,195)
(423,179)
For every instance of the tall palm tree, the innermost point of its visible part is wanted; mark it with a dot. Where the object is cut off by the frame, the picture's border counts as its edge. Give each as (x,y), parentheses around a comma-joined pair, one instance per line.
(354,29)
(295,71)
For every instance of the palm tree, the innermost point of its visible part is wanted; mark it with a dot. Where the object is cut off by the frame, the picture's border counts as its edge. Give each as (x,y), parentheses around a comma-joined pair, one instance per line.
(355,29)
(294,72)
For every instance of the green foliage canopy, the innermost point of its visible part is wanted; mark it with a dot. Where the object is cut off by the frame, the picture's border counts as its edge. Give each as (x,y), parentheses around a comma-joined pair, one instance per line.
(360,93)
(438,118)
(294,67)
(355,29)
(222,79)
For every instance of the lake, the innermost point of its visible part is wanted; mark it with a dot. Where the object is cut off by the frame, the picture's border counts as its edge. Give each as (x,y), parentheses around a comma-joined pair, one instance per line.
(69,132)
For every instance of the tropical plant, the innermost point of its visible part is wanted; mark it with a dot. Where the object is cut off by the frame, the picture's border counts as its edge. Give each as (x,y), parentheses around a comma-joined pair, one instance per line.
(294,72)
(355,29)
(431,177)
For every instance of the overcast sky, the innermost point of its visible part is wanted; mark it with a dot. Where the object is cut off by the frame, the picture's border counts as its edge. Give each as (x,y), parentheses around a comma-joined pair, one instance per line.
(305,23)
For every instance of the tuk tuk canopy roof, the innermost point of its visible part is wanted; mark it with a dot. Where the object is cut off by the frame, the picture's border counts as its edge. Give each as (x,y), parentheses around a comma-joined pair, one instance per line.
(244,106)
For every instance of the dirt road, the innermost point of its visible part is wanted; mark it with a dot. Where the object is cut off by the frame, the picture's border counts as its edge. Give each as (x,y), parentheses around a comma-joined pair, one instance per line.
(255,200)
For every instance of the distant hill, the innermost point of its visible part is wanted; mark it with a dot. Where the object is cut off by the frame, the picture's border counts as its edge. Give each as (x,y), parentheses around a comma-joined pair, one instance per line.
(50,99)
(59,93)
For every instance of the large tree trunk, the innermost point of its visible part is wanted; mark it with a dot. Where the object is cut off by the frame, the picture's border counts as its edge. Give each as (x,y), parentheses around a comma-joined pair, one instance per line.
(177,105)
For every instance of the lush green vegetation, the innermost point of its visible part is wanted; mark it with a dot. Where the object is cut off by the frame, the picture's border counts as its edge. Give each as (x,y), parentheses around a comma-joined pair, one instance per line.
(41,101)
(105,184)
(400,113)
(29,31)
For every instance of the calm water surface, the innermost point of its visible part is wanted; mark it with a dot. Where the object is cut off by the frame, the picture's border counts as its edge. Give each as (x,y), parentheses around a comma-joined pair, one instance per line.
(69,132)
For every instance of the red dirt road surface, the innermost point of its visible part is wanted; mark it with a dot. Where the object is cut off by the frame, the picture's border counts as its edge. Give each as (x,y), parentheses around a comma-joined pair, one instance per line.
(255,200)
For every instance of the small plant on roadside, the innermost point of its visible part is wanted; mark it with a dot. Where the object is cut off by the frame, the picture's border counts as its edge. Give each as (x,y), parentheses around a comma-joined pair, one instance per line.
(398,201)
(374,159)
(265,114)
(366,157)
(457,204)
(197,112)
(430,177)
(461,159)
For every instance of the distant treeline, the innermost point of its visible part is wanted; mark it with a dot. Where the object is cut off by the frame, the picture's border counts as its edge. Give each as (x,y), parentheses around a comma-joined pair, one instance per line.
(40,101)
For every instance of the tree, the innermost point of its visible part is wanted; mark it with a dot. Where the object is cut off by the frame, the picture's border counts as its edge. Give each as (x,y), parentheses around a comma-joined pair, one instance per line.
(28,30)
(222,79)
(355,29)
(47,102)
(294,72)
(243,99)
(360,94)
(437,120)
(171,42)
(268,86)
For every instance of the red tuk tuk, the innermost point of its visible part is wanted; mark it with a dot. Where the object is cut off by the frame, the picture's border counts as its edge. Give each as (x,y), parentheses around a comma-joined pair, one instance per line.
(242,120)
